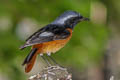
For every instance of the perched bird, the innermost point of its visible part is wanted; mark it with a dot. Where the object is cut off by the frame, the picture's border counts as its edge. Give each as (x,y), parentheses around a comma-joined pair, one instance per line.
(52,37)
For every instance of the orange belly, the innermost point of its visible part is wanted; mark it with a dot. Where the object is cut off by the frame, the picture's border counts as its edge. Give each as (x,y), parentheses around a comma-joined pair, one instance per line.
(53,46)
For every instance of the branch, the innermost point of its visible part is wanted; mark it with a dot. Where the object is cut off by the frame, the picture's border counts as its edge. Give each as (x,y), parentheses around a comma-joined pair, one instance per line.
(52,73)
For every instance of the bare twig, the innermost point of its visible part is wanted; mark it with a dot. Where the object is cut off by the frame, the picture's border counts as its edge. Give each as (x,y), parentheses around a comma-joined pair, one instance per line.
(52,73)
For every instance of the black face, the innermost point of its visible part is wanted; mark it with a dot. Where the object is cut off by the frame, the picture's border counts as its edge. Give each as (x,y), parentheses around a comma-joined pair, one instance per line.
(69,19)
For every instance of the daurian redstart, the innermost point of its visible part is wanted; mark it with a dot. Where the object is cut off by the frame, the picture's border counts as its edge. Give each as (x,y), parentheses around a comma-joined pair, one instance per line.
(51,37)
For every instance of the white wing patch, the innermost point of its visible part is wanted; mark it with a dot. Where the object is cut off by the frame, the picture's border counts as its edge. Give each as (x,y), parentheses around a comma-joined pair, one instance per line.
(46,34)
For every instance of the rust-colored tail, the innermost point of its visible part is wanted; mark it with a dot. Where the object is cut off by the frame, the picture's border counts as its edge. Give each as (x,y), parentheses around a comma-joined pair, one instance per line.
(30,60)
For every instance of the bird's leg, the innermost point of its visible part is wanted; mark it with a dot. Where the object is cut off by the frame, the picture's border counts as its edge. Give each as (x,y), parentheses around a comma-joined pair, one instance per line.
(53,60)
(45,59)
(49,55)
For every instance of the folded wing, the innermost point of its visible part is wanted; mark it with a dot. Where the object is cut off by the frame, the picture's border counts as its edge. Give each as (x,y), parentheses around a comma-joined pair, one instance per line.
(46,34)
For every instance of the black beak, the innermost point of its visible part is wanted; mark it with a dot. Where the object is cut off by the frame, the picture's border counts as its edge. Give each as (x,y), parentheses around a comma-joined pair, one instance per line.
(84,19)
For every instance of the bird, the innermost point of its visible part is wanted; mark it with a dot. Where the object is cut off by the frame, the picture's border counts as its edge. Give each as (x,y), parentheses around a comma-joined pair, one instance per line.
(52,37)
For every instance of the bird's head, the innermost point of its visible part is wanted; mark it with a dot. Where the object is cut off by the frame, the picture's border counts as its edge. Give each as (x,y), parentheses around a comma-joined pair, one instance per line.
(69,19)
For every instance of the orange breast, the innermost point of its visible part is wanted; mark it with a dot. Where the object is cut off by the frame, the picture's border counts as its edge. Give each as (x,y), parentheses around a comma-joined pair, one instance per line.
(53,46)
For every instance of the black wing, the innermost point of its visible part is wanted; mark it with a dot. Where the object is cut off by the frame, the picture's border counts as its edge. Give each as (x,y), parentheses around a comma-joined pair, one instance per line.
(46,34)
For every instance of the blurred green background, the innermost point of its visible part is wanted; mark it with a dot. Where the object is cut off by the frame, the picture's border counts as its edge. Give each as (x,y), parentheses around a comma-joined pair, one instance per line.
(20,18)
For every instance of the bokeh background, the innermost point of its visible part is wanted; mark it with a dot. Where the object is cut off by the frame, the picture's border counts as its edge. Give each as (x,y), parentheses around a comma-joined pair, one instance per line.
(92,53)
